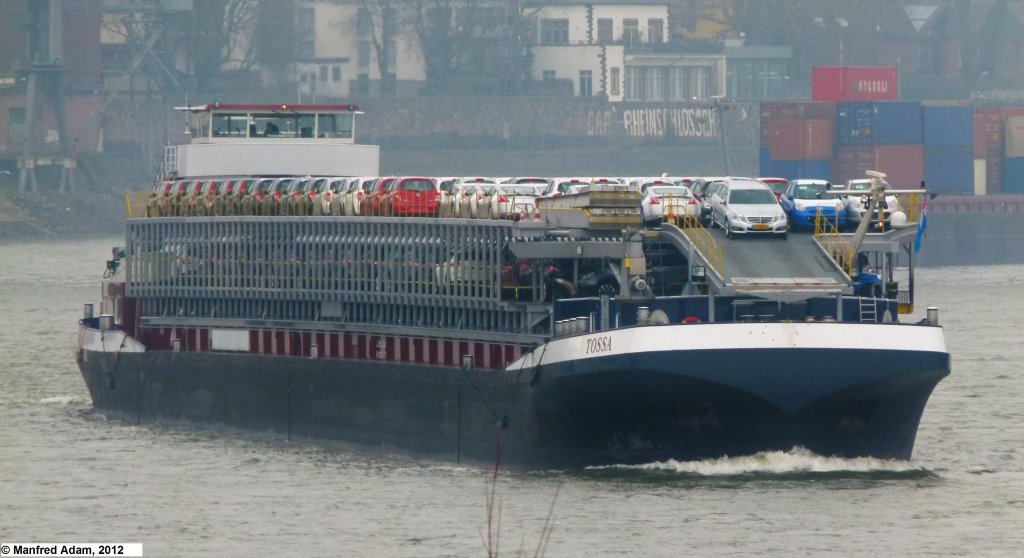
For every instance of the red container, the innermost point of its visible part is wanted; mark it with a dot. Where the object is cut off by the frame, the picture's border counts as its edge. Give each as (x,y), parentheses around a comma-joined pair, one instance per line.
(800,140)
(904,164)
(988,132)
(800,110)
(852,83)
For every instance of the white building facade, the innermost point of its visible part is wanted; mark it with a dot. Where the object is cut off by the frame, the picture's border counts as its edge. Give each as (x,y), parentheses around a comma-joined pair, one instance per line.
(619,49)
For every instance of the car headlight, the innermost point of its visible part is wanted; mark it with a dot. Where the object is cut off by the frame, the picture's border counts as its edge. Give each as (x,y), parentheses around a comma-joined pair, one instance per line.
(800,207)
(733,215)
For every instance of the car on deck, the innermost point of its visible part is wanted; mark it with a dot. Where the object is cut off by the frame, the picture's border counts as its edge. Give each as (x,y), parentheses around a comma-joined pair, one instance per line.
(807,201)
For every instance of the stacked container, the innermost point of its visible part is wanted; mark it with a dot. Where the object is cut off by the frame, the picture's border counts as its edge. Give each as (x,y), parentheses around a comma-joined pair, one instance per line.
(988,150)
(1013,165)
(884,136)
(949,150)
(796,139)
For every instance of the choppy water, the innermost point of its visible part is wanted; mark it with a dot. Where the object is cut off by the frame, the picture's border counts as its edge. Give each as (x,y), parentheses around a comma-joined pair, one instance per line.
(67,474)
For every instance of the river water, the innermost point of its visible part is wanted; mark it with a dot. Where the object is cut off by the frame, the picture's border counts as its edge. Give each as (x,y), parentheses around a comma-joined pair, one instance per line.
(67,474)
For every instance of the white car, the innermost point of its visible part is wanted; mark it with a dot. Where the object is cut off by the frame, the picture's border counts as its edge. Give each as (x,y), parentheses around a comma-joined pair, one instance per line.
(660,200)
(855,203)
(467,200)
(517,201)
(747,206)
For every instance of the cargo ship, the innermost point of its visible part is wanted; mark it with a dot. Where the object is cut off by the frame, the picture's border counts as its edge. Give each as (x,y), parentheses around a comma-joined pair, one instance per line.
(567,336)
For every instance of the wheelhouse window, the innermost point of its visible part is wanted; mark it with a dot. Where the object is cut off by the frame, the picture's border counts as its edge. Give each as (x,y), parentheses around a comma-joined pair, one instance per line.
(335,125)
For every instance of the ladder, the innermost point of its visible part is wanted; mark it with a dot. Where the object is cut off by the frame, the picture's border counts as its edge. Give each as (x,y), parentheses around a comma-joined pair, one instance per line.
(868,310)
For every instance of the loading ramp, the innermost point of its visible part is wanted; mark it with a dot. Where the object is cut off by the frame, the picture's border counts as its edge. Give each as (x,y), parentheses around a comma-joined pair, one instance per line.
(765,266)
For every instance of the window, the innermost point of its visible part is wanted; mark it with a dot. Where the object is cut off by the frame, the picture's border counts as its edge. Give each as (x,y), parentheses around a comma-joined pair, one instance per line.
(335,73)
(631,32)
(554,31)
(548,75)
(586,83)
(655,30)
(654,83)
(364,54)
(363,83)
(392,54)
(323,73)
(634,84)
(615,79)
(604,31)
(677,83)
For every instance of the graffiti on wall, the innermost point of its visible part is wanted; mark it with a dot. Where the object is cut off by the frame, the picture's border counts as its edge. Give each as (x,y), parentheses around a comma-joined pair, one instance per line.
(694,122)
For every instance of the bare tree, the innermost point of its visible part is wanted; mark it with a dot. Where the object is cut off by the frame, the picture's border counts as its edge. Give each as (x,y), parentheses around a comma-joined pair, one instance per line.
(378,21)
(471,43)
(219,37)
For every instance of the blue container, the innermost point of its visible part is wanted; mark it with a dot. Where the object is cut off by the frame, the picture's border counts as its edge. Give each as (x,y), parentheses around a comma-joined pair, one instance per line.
(1013,176)
(948,127)
(797,169)
(949,170)
(854,123)
(897,123)
(879,123)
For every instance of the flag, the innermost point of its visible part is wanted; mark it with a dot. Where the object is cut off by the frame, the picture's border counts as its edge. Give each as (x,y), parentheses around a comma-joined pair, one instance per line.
(921,226)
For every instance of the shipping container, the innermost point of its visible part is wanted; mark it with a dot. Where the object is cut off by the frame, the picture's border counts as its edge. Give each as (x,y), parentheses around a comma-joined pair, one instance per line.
(948,126)
(797,169)
(1014,135)
(994,174)
(949,170)
(851,83)
(1013,176)
(988,132)
(795,140)
(792,110)
(903,164)
(882,123)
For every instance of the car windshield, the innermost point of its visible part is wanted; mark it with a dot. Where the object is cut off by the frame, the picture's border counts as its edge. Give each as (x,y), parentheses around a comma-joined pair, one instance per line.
(751,197)
(864,186)
(662,191)
(777,187)
(417,186)
(814,192)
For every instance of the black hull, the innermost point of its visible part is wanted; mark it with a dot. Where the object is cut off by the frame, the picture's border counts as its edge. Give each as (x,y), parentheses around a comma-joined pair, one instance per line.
(618,409)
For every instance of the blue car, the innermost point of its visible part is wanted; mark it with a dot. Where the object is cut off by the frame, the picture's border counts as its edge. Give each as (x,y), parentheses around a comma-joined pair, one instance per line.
(804,199)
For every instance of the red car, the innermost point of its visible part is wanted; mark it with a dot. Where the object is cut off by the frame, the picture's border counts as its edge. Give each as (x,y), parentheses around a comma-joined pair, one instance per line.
(413,196)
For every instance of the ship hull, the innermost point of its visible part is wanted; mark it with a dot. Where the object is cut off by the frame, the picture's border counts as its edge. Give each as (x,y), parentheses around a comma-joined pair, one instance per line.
(630,406)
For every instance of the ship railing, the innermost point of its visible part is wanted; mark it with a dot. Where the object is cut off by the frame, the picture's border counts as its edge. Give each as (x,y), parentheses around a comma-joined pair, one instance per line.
(145,204)
(911,205)
(827,233)
(675,212)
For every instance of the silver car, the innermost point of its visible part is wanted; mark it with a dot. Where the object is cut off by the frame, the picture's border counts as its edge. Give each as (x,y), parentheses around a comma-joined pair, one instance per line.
(747,206)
